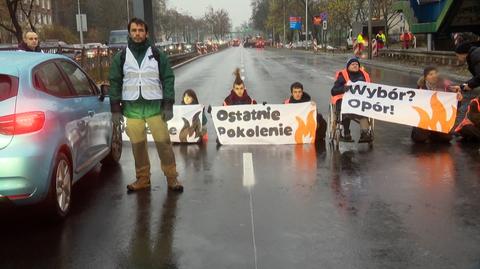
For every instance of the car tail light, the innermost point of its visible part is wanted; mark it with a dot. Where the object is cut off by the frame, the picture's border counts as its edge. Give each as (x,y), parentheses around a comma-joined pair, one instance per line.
(18,197)
(22,123)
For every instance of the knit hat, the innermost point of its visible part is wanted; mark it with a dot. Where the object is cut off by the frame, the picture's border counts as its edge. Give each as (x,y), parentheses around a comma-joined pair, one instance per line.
(352,60)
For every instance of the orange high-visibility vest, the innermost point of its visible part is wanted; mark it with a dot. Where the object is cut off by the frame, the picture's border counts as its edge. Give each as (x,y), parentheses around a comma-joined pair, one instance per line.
(466,121)
(345,75)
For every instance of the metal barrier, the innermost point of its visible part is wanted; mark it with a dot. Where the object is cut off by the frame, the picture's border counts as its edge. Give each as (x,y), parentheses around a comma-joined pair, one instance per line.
(96,61)
(422,57)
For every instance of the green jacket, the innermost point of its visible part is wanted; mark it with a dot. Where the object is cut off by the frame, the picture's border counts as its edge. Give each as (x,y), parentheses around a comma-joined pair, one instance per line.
(141,108)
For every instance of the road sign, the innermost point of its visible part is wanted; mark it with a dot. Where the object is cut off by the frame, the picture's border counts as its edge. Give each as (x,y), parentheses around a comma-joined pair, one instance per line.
(296,23)
(324,25)
(324,16)
(81,22)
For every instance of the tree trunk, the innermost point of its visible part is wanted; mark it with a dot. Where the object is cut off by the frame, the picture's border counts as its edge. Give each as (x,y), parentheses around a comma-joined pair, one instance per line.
(12,10)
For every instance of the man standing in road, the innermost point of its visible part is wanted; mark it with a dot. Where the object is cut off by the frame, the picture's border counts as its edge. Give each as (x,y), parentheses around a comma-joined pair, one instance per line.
(142,88)
(30,42)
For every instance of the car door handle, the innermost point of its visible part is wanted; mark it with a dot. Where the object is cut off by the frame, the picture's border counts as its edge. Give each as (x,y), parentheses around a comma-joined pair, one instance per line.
(91,113)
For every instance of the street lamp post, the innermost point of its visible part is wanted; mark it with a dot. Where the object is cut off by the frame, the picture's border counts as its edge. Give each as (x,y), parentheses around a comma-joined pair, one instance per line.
(284,22)
(273,29)
(80,20)
(128,12)
(369,29)
(306,24)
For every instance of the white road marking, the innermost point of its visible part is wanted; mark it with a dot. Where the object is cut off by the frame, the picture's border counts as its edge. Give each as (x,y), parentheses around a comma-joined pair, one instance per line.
(329,77)
(249,181)
(248,174)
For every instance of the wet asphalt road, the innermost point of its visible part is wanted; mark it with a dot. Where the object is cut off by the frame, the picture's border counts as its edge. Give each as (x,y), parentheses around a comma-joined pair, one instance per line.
(397,205)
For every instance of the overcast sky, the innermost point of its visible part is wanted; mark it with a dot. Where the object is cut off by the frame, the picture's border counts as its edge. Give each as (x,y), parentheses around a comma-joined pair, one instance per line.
(239,10)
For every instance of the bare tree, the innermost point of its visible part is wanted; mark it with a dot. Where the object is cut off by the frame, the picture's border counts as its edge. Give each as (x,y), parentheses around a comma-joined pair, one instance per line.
(383,9)
(218,21)
(11,22)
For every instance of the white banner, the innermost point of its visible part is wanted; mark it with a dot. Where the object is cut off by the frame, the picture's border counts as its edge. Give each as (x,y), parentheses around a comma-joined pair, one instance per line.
(428,110)
(266,124)
(184,127)
(186,124)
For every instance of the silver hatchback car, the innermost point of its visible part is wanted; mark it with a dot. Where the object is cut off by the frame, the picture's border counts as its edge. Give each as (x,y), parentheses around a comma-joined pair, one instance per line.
(55,126)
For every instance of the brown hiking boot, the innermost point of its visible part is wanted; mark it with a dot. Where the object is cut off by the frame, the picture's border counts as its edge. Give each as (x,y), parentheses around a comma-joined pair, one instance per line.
(139,184)
(174,185)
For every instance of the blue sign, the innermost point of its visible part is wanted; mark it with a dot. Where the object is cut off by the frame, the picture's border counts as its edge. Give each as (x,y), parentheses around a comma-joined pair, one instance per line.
(324,16)
(296,23)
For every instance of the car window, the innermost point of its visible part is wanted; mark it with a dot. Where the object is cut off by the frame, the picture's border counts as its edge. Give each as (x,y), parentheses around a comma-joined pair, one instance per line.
(8,87)
(80,81)
(48,78)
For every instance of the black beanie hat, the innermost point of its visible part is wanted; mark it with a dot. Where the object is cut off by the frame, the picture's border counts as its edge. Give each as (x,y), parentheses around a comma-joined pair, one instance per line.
(463,48)
(352,60)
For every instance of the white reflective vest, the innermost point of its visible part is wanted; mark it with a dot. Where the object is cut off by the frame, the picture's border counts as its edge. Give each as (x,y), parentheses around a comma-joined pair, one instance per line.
(143,79)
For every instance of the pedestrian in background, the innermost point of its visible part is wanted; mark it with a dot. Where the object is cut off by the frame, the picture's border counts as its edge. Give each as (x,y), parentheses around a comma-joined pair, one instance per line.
(30,42)
(360,42)
(407,38)
(381,39)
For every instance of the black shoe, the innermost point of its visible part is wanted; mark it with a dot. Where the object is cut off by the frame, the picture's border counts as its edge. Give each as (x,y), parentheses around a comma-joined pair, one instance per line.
(346,138)
(365,137)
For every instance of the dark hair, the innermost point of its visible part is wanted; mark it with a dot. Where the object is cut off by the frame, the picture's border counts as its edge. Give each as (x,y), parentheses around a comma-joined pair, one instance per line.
(428,69)
(238,78)
(192,94)
(139,22)
(296,85)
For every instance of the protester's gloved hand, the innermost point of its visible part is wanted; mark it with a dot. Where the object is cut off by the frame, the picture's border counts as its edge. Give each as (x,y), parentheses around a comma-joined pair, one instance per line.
(167,106)
(116,108)
(209,109)
(117,118)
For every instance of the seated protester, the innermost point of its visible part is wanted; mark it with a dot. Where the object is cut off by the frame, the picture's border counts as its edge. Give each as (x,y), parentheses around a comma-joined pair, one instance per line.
(299,96)
(190,98)
(238,95)
(352,73)
(469,128)
(433,82)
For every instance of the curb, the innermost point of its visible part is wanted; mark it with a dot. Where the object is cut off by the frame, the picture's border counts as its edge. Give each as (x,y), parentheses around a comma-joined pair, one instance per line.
(194,59)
